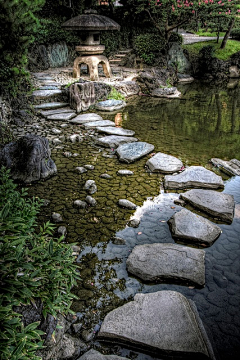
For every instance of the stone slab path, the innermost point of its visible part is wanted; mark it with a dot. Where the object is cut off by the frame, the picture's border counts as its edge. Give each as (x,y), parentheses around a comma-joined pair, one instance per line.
(133,151)
(113,141)
(164,163)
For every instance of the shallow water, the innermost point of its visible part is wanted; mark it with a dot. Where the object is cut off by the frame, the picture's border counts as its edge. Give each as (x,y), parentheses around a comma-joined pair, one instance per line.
(204,123)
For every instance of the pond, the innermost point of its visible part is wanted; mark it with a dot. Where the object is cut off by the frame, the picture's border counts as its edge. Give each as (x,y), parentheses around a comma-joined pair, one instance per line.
(203,123)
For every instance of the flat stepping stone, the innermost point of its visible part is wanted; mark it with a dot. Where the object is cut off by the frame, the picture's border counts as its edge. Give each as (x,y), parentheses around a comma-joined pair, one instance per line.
(95,124)
(85,118)
(95,355)
(48,87)
(50,105)
(46,113)
(192,228)
(212,202)
(164,163)
(162,322)
(170,262)
(61,116)
(116,131)
(231,167)
(113,141)
(42,94)
(194,176)
(133,151)
(110,105)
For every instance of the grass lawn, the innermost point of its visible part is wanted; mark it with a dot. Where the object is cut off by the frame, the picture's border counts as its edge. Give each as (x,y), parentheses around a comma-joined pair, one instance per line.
(231,48)
(209,33)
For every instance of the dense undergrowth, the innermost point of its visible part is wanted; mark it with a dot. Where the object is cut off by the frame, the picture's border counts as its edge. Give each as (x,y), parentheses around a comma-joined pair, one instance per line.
(33,266)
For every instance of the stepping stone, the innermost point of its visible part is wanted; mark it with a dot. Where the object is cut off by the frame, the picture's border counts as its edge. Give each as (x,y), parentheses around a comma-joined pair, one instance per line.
(212,202)
(95,355)
(170,262)
(116,131)
(85,118)
(113,141)
(231,167)
(110,105)
(127,204)
(164,163)
(192,228)
(61,116)
(95,124)
(194,176)
(162,322)
(51,105)
(42,94)
(56,111)
(48,87)
(133,151)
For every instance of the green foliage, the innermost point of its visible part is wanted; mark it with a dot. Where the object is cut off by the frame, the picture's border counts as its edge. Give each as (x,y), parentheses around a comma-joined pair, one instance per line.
(116,95)
(235,34)
(207,52)
(5,133)
(148,46)
(175,37)
(33,265)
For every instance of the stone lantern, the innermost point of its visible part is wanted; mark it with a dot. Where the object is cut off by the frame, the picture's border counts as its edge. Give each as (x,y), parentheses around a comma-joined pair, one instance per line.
(90,24)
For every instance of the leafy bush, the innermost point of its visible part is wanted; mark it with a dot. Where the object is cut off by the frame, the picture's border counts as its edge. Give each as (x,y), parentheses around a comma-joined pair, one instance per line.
(235,34)
(175,37)
(207,52)
(148,46)
(32,266)
(116,95)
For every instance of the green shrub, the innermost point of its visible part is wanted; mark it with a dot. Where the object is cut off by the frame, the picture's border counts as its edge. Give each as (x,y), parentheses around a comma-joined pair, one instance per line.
(235,34)
(148,46)
(116,95)
(207,52)
(33,266)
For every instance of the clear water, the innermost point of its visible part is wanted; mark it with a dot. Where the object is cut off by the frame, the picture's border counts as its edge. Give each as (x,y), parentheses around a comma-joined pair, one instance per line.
(203,123)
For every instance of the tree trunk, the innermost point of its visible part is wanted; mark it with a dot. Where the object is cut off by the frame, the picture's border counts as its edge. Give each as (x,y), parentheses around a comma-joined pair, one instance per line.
(225,39)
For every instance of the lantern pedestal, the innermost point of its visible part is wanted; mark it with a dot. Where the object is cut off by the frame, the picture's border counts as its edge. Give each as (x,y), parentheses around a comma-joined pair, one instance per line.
(92,62)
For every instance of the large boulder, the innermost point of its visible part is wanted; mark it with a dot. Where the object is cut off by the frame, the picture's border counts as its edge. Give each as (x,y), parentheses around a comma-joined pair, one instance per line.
(164,322)
(231,167)
(177,59)
(166,164)
(127,88)
(167,262)
(212,202)
(28,158)
(194,176)
(191,228)
(155,78)
(133,151)
(82,96)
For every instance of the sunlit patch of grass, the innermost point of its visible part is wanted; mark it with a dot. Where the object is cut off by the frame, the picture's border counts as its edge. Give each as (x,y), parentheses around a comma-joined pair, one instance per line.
(231,48)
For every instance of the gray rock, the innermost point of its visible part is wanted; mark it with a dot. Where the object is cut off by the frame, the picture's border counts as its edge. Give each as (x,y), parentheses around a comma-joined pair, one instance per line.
(231,167)
(118,241)
(131,152)
(95,355)
(85,118)
(87,335)
(80,169)
(28,158)
(105,176)
(113,141)
(61,116)
(163,322)
(115,131)
(212,202)
(77,327)
(134,223)
(44,94)
(95,124)
(89,167)
(127,204)
(46,113)
(74,138)
(56,131)
(90,186)
(56,141)
(62,231)
(110,105)
(90,200)
(164,163)
(127,88)
(176,56)
(51,105)
(187,226)
(80,204)
(157,262)
(56,217)
(125,172)
(194,176)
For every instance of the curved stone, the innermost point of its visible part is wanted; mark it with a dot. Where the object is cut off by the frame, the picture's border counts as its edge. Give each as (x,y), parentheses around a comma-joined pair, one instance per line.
(164,163)
(194,176)
(231,167)
(113,141)
(127,204)
(85,118)
(162,322)
(170,262)
(94,124)
(90,186)
(110,105)
(133,151)
(90,200)
(116,131)
(95,355)
(187,226)
(212,202)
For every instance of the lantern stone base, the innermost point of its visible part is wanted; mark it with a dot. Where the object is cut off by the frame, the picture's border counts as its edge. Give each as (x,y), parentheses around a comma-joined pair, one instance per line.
(92,62)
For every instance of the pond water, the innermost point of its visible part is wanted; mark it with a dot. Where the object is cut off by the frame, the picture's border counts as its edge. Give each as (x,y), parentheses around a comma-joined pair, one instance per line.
(203,123)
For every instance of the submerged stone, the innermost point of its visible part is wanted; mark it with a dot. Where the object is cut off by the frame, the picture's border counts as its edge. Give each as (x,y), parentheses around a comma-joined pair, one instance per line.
(127,204)
(194,176)
(94,124)
(157,262)
(162,322)
(113,141)
(115,131)
(133,151)
(187,226)
(110,105)
(164,163)
(90,200)
(212,202)
(125,172)
(231,167)
(85,118)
